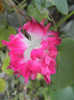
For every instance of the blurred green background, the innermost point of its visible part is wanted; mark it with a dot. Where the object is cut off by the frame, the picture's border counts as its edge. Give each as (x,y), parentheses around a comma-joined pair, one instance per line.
(13,14)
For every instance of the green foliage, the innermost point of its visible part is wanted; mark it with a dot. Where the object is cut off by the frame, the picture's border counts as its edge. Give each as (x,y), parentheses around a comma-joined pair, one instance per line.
(2,85)
(5,33)
(20,5)
(65,70)
(62,94)
(68,30)
(62,83)
(23,6)
(61,5)
(32,12)
(39,77)
(38,16)
(43,3)
(20,96)
(5,65)
(2,55)
(46,93)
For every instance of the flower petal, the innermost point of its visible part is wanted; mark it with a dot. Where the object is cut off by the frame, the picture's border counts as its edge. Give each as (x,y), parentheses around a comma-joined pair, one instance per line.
(35,29)
(53,33)
(47,78)
(37,53)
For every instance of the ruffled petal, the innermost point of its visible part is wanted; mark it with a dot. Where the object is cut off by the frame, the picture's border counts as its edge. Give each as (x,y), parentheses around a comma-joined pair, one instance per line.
(35,29)
(53,41)
(5,42)
(47,78)
(53,51)
(35,66)
(52,68)
(48,59)
(42,22)
(37,53)
(53,33)
(45,70)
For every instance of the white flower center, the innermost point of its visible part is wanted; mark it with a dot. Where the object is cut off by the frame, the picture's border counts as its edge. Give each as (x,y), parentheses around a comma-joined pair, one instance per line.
(34,43)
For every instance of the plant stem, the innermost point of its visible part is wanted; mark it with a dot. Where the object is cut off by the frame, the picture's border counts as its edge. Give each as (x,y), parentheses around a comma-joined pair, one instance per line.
(16,2)
(36,7)
(21,3)
(25,91)
(44,3)
(64,19)
(5,20)
(8,95)
(52,19)
(17,10)
(14,6)
(49,18)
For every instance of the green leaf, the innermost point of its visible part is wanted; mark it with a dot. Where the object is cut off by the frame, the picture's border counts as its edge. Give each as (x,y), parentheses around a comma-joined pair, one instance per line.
(62,94)
(61,5)
(5,33)
(40,2)
(68,30)
(46,92)
(21,79)
(65,71)
(2,85)
(23,6)
(46,4)
(33,12)
(73,88)
(5,65)
(2,55)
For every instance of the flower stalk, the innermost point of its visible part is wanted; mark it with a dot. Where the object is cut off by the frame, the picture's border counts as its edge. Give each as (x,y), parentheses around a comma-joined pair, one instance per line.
(64,19)
(36,7)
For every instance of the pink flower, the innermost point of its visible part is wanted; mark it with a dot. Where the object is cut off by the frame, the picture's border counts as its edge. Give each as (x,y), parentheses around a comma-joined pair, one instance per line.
(28,57)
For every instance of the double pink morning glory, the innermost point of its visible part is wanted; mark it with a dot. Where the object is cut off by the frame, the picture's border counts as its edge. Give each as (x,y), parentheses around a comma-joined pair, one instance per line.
(28,57)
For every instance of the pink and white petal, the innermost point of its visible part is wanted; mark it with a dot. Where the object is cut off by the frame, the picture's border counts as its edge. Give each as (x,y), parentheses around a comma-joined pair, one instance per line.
(42,22)
(17,42)
(47,59)
(45,70)
(35,29)
(53,33)
(5,42)
(19,31)
(53,41)
(48,26)
(33,19)
(35,66)
(52,68)
(47,78)
(53,51)
(27,77)
(44,44)
(37,53)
